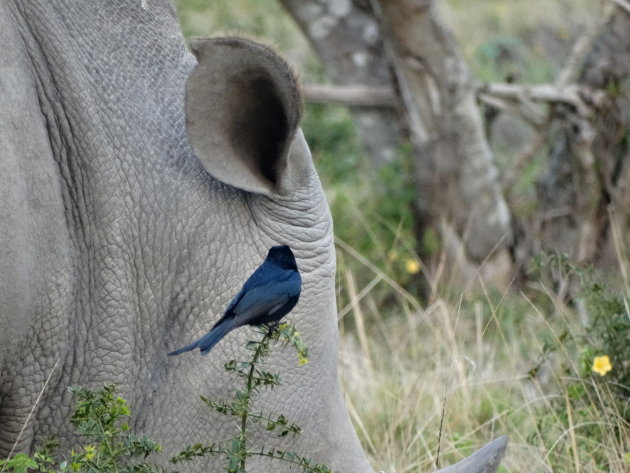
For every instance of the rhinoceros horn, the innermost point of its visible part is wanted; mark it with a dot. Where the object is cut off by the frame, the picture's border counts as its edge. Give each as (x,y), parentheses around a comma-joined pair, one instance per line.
(484,460)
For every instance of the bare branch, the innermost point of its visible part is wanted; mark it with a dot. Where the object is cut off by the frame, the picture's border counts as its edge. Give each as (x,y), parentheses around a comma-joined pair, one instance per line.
(623,4)
(516,99)
(529,114)
(583,46)
(580,97)
(351,95)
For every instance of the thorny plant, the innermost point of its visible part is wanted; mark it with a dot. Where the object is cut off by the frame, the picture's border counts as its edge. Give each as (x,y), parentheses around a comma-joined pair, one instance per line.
(238,449)
(112,448)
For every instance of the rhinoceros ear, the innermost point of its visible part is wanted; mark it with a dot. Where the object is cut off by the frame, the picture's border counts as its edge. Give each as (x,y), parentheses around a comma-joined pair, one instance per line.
(243,106)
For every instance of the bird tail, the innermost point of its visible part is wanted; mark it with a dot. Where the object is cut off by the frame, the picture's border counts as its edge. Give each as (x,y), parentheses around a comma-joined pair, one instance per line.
(184,349)
(220,330)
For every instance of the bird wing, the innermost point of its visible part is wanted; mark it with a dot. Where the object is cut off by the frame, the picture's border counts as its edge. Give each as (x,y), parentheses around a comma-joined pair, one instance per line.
(257,301)
(263,299)
(257,278)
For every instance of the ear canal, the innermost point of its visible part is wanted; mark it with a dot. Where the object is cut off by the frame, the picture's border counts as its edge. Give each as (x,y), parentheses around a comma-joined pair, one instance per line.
(243,107)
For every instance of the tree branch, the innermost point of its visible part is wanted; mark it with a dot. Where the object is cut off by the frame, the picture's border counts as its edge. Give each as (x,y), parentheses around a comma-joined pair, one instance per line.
(583,45)
(623,4)
(584,99)
(350,95)
(513,98)
(528,112)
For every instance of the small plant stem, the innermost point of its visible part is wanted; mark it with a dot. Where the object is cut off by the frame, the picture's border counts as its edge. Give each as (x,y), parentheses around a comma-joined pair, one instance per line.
(248,392)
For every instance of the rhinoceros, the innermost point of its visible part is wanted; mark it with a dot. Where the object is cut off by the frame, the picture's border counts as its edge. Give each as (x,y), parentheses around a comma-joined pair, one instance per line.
(140,185)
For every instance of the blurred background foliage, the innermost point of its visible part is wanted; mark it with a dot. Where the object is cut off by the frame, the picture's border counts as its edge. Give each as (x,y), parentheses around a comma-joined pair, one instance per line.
(513,362)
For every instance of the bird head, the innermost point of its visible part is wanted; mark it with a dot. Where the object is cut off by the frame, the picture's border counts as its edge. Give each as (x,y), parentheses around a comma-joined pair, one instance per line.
(282,256)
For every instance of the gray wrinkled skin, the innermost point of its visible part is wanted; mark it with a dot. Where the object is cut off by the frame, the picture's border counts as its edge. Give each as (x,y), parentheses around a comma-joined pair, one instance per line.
(119,246)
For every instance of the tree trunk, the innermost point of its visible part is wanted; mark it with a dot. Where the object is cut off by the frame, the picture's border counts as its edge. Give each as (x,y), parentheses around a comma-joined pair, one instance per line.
(455,174)
(347,39)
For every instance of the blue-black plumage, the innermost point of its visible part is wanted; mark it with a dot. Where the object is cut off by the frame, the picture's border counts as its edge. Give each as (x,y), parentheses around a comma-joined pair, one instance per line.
(269,294)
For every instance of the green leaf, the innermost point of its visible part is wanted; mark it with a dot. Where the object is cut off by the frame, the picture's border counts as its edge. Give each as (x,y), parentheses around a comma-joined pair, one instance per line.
(20,463)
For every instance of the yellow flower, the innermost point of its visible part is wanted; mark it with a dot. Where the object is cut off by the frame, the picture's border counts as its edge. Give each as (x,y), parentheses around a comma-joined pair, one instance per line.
(392,255)
(412,266)
(601,365)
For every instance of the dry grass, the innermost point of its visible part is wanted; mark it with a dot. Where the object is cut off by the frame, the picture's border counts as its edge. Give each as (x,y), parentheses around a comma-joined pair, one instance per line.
(468,359)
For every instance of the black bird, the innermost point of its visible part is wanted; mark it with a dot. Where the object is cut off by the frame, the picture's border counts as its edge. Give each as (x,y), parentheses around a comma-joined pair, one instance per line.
(268,295)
